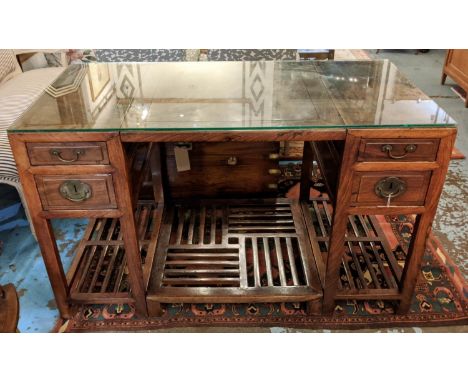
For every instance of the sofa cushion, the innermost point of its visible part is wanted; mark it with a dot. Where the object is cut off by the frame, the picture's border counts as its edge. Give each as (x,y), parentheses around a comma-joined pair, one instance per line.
(8,63)
(16,96)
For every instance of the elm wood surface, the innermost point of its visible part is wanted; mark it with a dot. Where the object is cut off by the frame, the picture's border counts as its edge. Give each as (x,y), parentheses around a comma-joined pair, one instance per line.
(456,67)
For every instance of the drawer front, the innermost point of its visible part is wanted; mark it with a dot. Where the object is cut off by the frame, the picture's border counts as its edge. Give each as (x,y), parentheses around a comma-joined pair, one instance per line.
(223,169)
(76,192)
(371,188)
(398,150)
(67,153)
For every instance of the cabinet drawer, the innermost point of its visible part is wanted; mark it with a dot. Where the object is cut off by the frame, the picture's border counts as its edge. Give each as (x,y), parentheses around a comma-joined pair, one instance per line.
(365,188)
(65,153)
(225,169)
(76,192)
(403,150)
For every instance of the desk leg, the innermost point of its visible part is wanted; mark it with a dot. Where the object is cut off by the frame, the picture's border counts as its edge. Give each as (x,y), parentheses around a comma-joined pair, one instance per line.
(423,225)
(127,223)
(44,233)
(336,249)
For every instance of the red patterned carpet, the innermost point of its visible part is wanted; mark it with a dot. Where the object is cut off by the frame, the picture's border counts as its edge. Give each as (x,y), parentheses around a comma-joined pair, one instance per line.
(441,299)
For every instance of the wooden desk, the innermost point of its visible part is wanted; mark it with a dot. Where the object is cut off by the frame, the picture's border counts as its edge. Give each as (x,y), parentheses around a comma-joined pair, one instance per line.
(213,229)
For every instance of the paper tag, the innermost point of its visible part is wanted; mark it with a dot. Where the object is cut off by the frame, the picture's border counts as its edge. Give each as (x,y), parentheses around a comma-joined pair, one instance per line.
(182,158)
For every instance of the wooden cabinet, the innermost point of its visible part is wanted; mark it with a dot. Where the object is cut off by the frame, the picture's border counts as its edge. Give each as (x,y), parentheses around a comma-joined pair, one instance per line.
(456,67)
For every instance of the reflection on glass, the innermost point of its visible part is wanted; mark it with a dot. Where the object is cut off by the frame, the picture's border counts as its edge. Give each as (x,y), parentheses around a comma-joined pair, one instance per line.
(232,95)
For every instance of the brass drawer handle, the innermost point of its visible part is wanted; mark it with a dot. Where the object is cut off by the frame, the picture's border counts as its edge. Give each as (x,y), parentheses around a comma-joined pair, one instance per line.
(58,154)
(390,187)
(75,190)
(273,156)
(274,171)
(232,161)
(410,148)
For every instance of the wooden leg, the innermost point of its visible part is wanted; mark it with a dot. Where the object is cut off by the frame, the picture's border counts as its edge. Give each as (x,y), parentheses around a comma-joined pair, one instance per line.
(314,307)
(336,248)
(127,223)
(53,264)
(413,262)
(422,226)
(307,159)
(154,309)
(443,78)
(44,233)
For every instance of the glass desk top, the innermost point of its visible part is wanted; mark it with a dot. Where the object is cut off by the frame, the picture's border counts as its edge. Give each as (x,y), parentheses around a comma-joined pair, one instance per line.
(231,96)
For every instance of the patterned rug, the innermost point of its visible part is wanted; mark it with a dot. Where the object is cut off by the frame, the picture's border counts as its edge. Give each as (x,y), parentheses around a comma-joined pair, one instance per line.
(441,298)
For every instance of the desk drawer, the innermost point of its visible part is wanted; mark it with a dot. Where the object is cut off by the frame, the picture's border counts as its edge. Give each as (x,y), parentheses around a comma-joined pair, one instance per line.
(76,192)
(398,150)
(367,188)
(67,153)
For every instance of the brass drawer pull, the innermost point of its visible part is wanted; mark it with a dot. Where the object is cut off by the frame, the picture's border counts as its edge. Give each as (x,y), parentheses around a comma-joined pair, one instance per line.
(411,148)
(232,161)
(273,156)
(274,171)
(389,188)
(75,190)
(76,153)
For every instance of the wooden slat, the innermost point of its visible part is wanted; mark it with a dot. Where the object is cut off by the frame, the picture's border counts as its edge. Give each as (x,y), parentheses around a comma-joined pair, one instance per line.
(250,216)
(213,226)
(262,227)
(365,255)
(390,282)
(279,255)
(292,264)
(201,281)
(74,267)
(91,254)
(255,261)
(201,228)
(202,255)
(191,226)
(152,245)
(202,262)
(174,272)
(180,226)
(266,252)
(394,267)
(104,252)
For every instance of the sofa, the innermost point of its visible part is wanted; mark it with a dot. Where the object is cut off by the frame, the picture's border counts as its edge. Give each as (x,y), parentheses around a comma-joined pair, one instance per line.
(18,90)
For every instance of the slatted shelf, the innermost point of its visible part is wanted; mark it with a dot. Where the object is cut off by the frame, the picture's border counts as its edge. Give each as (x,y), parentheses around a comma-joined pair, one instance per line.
(369,268)
(246,248)
(99,272)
